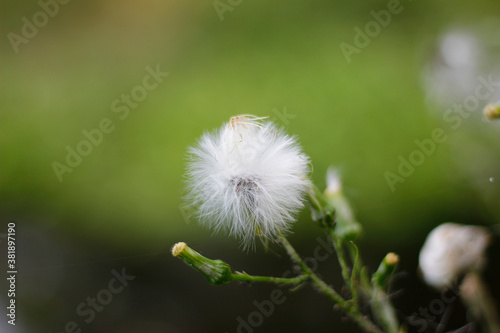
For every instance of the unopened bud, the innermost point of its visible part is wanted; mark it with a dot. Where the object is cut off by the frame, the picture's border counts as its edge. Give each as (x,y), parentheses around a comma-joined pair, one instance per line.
(491,111)
(321,211)
(385,270)
(346,225)
(217,272)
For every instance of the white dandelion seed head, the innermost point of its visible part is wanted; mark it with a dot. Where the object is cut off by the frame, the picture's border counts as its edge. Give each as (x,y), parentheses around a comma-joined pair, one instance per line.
(451,250)
(247,178)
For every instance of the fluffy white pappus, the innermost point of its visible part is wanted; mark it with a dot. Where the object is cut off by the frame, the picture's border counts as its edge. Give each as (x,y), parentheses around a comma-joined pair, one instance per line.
(247,178)
(452,250)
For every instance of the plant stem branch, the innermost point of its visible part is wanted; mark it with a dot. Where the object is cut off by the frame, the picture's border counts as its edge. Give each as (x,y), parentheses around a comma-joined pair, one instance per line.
(477,298)
(337,244)
(242,276)
(353,313)
(326,289)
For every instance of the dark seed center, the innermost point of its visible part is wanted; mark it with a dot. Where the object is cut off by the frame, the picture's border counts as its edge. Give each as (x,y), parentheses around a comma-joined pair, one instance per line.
(246,188)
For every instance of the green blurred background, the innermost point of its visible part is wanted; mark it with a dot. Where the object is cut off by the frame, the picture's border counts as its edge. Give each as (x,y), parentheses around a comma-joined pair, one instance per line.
(122,206)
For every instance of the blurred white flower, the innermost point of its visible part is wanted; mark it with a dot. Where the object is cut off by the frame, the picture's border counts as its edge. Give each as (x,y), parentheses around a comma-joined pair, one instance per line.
(461,78)
(247,178)
(452,73)
(460,58)
(333,182)
(452,250)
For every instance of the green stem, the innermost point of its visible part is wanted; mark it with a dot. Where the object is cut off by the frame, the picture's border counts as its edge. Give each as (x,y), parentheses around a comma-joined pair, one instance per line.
(242,276)
(327,290)
(478,300)
(384,311)
(359,269)
(364,323)
(354,276)
(337,244)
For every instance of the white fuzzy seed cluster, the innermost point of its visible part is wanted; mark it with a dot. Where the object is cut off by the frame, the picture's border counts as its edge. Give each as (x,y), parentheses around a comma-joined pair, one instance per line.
(451,250)
(247,178)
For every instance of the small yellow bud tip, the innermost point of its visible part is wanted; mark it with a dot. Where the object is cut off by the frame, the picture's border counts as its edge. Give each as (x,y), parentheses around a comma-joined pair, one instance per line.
(391,258)
(178,248)
(492,111)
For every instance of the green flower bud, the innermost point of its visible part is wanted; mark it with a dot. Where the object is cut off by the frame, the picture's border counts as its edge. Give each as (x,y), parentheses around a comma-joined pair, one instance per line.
(322,212)
(346,226)
(217,272)
(492,111)
(384,272)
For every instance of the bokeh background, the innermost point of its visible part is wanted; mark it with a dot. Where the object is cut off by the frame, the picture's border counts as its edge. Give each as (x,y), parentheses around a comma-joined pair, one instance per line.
(121,207)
